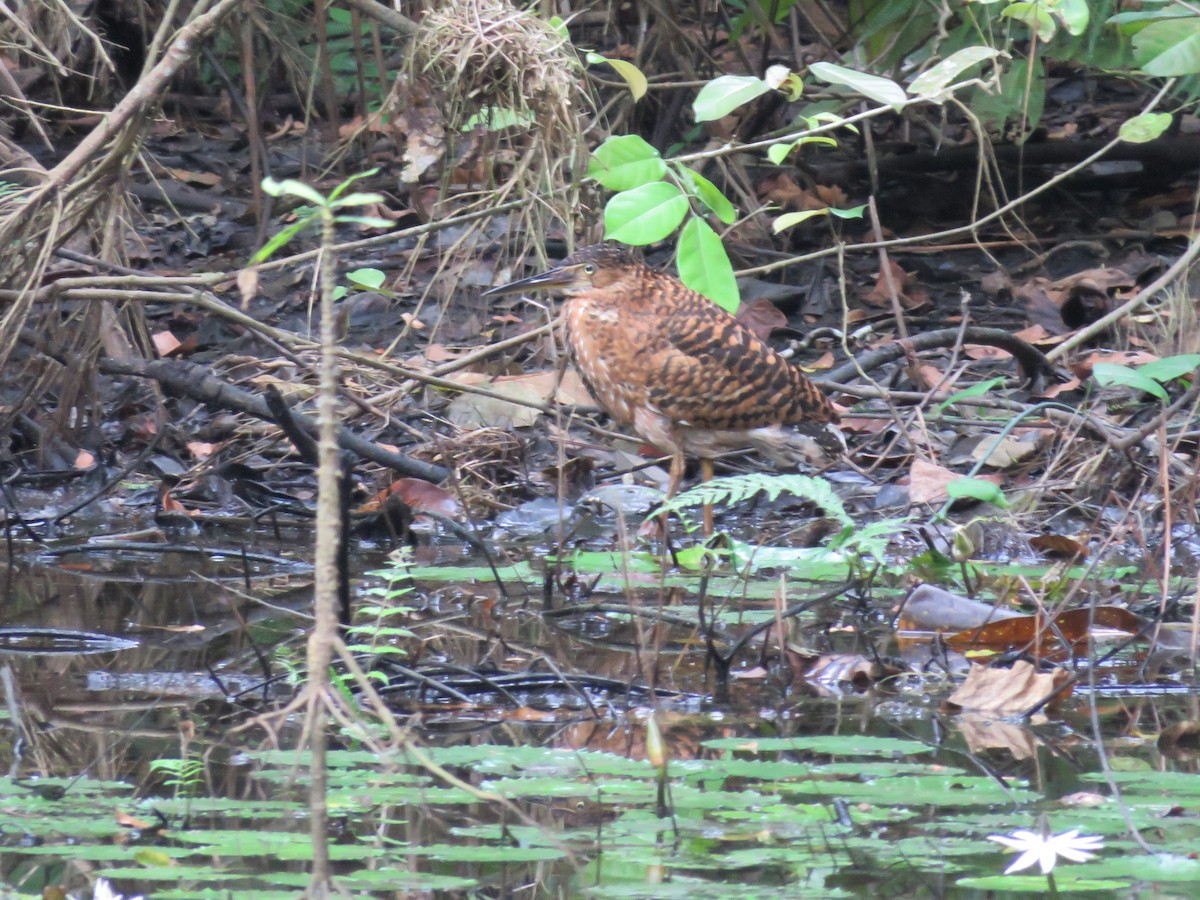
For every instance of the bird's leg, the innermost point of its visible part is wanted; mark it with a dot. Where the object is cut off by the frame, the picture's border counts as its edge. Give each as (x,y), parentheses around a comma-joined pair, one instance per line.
(706,474)
(677,469)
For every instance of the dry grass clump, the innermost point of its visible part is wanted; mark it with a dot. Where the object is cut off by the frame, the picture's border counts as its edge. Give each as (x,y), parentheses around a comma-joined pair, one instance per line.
(520,87)
(488,58)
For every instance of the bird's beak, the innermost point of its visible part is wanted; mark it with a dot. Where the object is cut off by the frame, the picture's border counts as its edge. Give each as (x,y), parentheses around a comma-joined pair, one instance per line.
(551,278)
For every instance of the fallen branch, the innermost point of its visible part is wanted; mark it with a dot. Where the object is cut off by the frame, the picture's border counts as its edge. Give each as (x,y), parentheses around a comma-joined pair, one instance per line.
(198,383)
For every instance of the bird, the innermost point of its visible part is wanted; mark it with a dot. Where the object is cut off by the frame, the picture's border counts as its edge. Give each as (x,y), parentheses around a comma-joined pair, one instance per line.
(674,367)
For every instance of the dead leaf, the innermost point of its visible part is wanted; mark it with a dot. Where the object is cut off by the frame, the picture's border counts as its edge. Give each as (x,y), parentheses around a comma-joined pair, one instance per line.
(165,343)
(787,195)
(426,140)
(1030,632)
(202,450)
(247,282)
(761,317)
(902,282)
(927,481)
(1054,390)
(207,179)
(1036,334)
(1008,691)
(985,351)
(1082,367)
(833,671)
(930,608)
(424,496)
(999,454)
(996,284)
(1059,545)
(128,821)
(832,195)
(987,733)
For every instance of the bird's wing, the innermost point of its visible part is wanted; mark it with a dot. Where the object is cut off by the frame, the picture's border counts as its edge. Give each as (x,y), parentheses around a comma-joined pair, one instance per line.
(712,372)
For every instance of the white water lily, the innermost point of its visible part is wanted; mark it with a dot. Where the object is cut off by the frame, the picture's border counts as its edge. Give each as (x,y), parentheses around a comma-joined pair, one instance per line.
(104,891)
(1045,849)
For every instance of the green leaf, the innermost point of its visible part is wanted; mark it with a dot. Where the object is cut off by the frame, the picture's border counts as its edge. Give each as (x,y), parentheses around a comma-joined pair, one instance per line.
(724,94)
(645,214)
(280,240)
(778,152)
(632,74)
(883,90)
(1171,367)
(704,265)
(977,489)
(359,199)
(1169,48)
(787,220)
(724,491)
(1145,127)
(854,212)
(1034,16)
(1074,15)
(293,187)
(371,279)
(1111,373)
(933,81)
(976,390)
(624,162)
(369,221)
(710,195)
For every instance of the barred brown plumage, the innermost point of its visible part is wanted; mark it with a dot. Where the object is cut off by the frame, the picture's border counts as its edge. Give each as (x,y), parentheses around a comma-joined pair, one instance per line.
(679,370)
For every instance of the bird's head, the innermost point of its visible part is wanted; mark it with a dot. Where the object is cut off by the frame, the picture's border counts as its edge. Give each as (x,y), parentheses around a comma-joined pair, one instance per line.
(589,268)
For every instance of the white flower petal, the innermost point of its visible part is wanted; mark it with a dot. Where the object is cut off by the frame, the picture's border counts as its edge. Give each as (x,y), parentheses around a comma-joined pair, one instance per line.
(1024,861)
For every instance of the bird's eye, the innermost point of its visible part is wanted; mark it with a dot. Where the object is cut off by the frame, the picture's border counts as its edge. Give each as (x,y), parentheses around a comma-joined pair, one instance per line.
(589,269)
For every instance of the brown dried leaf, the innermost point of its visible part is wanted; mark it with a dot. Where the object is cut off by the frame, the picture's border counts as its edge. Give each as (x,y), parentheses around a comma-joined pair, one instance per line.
(1008,691)
(247,282)
(985,732)
(761,317)
(165,343)
(1030,632)
(927,481)
(1059,545)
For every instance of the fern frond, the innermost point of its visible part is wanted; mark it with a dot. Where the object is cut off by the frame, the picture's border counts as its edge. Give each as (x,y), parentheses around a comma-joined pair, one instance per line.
(734,489)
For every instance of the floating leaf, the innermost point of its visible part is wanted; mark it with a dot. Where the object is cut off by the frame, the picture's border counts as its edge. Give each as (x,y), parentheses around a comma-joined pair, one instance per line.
(934,80)
(624,162)
(704,265)
(883,90)
(645,214)
(724,94)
